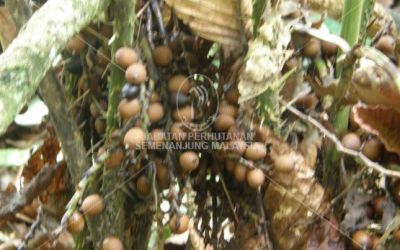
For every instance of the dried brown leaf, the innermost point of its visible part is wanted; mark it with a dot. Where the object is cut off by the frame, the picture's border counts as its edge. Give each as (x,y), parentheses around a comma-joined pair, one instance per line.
(46,154)
(7,27)
(215,20)
(380,121)
(246,238)
(376,81)
(292,199)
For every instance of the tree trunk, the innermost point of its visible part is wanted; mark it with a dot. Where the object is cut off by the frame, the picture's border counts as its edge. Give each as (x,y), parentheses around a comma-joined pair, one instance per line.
(26,61)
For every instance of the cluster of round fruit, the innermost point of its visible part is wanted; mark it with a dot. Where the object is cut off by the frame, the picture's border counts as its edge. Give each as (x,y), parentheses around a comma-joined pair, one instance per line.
(367,239)
(135,138)
(131,105)
(313,47)
(91,206)
(246,170)
(241,153)
(373,149)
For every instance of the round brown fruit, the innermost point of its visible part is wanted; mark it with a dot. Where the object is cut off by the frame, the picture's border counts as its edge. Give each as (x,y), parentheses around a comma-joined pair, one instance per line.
(135,138)
(185,114)
(362,240)
(136,73)
(292,63)
(375,242)
(255,178)
(179,83)
(351,141)
(378,205)
(92,205)
(238,146)
(76,45)
(129,108)
(232,96)
(100,125)
(308,101)
(285,163)
(261,133)
(162,172)
(328,48)
(189,161)
(386,44)
(255,151)
(94,110)
(236,133)
(115,158)
(75,223)
(155,97)
(224,122)
(162,55)
(112,243)
(228,109)
(125,56)
(396,235)
(229,165)
(177,133)
(312,48)
(179,224)
(143,185)
(372,149)
(240,172)
(155,112)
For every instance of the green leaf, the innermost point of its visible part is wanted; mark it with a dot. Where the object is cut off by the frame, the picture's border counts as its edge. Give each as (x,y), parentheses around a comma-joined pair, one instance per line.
(258,9)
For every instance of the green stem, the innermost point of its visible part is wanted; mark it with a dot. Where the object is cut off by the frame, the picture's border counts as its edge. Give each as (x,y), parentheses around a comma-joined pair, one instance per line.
(258,9)
(124,16)
(113,218)
(355,17)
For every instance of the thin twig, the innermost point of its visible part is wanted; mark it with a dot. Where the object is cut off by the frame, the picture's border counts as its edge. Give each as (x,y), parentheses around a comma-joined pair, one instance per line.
(359,155)
(19,200)
(229,199)
(82,185)
(157,12)
(32,230)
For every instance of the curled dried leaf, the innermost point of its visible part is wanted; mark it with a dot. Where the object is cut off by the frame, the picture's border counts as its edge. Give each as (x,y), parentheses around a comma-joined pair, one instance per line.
(46,154)
(216,20)
(380,121)
(377,80)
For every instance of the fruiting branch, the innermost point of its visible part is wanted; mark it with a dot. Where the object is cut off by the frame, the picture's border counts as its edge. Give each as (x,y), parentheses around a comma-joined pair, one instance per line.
(81,188)
(357,154)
